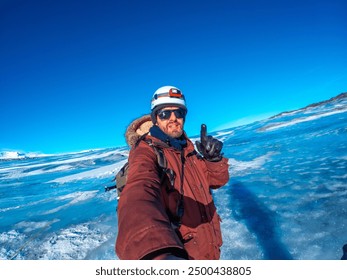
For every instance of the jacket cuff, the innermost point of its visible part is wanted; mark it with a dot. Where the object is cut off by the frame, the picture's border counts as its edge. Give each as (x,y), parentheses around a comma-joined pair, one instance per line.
(149,240)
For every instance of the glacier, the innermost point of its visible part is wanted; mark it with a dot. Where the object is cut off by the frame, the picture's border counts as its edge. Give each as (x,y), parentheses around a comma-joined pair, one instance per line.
(286,197)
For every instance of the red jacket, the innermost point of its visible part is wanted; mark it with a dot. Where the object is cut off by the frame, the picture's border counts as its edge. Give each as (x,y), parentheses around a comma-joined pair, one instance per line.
(146,201)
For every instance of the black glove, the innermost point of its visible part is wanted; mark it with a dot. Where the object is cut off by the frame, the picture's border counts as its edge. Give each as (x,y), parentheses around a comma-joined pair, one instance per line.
(208,146)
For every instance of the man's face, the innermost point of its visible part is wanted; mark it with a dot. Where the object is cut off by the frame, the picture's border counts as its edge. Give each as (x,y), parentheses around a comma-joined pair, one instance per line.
(172,126)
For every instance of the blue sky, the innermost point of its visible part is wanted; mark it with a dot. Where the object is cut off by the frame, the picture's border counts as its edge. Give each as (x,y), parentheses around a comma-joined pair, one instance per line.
(74,74)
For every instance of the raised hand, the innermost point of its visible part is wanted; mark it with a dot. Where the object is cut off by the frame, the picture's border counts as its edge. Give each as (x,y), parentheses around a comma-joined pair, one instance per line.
(208,146)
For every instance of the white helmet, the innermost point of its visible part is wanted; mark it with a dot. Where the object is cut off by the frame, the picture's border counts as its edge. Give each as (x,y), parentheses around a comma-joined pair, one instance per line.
(166,96)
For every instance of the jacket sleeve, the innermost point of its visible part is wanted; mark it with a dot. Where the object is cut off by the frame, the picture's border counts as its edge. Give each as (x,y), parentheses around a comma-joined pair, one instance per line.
(218,173)
(143,225)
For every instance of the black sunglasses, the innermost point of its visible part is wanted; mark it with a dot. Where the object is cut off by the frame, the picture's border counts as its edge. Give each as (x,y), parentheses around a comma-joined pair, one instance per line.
(166,114)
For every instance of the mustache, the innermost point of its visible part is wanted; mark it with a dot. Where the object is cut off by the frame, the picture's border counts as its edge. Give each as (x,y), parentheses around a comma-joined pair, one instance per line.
(174,122)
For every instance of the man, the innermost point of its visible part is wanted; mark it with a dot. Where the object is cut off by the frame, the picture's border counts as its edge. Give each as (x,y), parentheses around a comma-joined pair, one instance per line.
(170,215)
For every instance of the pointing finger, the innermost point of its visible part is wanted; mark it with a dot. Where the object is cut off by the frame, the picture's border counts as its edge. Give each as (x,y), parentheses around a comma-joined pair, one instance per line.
(203,133)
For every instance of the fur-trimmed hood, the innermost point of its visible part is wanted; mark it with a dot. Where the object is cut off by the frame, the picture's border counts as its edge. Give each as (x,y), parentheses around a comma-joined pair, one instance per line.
(137,128)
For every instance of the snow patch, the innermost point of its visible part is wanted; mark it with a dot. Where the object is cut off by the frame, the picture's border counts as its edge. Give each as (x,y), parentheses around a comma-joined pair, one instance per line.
(237,168)
(95,173)
(31,226)
(76,198)
(300,120)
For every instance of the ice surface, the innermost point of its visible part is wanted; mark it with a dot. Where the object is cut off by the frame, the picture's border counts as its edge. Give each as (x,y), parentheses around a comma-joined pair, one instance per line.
(286,198)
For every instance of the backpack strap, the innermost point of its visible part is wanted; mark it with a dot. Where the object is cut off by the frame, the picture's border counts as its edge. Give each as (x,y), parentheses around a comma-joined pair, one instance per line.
(176,220)
(162,163)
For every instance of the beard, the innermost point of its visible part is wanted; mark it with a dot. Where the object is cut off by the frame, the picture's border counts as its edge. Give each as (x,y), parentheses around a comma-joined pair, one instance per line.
(174,130)
(175,134)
